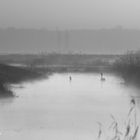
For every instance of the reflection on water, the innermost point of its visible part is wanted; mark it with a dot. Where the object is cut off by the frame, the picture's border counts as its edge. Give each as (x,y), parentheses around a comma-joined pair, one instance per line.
(61,108)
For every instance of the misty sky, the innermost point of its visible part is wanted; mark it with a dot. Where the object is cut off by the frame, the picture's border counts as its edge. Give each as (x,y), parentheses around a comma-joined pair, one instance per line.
(69,13)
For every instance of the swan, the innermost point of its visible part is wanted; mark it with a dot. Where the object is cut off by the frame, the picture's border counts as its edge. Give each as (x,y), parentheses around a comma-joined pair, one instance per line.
(102,78)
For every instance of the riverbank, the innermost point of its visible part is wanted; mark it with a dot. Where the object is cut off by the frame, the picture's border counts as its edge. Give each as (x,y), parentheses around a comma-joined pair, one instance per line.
(11,75)
(74,68)
(130,75)
(16,74)
(128,67)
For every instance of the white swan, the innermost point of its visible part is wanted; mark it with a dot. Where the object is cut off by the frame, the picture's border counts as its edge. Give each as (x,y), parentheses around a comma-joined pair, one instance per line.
(102,78)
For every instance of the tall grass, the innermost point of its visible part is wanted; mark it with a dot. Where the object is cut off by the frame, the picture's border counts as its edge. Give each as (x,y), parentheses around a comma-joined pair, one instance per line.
(128,65)
(130,128)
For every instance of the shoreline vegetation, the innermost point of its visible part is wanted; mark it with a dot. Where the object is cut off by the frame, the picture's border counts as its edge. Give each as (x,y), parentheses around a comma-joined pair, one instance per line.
(16,68)
(128,67)
(13,75)
(126,130)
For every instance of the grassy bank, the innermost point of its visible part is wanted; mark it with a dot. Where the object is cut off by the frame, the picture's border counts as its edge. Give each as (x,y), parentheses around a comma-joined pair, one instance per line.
(11,74)
(58,59)
(79,68)
(128,66)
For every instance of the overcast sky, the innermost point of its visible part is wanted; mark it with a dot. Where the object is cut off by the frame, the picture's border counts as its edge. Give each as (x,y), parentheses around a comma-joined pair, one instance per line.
(69,13)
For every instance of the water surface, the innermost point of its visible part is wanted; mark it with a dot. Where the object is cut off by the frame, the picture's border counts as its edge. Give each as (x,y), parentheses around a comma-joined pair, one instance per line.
(59,109)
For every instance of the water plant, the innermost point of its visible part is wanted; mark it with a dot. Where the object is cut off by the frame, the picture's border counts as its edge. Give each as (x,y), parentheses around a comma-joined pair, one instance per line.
(130,128)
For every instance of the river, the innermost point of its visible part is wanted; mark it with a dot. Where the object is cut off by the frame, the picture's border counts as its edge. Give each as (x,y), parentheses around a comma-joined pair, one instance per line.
(56,108)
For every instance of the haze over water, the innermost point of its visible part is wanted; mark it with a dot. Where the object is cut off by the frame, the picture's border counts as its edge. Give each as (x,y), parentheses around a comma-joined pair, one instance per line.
(59,109)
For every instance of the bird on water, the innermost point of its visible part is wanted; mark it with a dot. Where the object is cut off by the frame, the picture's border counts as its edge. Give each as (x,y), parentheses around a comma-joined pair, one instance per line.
(102,78)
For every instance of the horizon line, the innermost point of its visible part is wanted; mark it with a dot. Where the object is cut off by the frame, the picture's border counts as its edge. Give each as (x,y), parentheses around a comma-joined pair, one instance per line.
(67,29)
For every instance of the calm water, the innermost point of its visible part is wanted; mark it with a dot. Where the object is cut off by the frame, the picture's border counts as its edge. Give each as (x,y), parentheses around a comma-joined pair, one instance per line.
(57,109)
